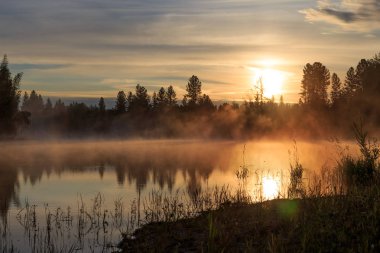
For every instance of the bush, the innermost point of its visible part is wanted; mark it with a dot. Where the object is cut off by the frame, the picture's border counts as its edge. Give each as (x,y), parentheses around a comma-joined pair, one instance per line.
(361,171)
(356,172)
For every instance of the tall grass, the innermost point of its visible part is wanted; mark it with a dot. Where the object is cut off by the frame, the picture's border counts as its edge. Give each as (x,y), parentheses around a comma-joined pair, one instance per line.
(90,228)
(335,210)
(338,192)
(361,171)
(296,188)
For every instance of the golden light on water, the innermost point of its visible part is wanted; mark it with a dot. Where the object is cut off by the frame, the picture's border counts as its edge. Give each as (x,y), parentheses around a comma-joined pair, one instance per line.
(270,187)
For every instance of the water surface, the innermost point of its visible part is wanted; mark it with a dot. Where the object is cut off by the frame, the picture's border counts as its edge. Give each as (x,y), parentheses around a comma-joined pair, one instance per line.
(51,175)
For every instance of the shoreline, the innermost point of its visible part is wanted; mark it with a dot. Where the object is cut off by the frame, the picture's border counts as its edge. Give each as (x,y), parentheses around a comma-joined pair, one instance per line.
(318,224)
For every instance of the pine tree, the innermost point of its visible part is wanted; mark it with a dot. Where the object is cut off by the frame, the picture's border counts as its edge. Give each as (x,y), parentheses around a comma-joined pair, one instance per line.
(161,97)
(59,107)
(171,96)
(9,98)
(154,100)
(350,83)
(336,91)
(194,91)
(316,79)
(121,102)
(48,105)
(25,101)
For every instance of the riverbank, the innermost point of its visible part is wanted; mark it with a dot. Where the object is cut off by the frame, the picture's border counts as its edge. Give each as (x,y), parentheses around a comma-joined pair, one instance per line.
(349,223)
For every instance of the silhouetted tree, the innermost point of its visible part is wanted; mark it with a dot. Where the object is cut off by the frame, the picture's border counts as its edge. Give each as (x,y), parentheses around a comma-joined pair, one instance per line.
(194,91)
(9,98)
(316,79)
(171,96)
(162,99)
(206,103)
(79,118)
(361,72)
(121,102)
(48,106)
(102,105)
(142,97)
(25,101)
(139,102)
(336,91)
(154,100)
(34,104)
(350,83)
(130,100)
(59,107)
(368,76)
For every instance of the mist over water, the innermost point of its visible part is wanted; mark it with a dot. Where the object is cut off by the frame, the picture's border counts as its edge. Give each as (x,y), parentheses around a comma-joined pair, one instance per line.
(57,174)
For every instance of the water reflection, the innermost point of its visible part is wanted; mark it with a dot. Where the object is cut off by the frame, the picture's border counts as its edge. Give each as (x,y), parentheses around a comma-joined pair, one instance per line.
(8,187)
(57,174)
(144,164)
(134,163)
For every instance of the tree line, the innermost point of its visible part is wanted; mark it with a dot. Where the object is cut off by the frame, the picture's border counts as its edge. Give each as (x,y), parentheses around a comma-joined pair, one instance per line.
(327,105)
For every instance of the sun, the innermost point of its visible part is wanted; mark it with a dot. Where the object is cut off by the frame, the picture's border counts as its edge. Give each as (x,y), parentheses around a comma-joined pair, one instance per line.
(270,188)
(271,80)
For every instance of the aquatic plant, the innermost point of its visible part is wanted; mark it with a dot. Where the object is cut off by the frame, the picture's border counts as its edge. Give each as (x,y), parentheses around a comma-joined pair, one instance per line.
(295,188)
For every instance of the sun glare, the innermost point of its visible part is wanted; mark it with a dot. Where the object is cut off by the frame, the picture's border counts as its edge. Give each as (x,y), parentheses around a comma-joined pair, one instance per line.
(270,188)
(271,79)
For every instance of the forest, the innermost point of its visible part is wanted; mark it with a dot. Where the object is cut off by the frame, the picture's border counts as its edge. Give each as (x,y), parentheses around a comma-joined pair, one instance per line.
(327,106)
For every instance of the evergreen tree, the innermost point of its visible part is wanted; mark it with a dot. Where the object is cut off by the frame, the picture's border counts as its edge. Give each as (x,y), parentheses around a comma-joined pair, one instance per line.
(361,72)
(25,101)
(368,78)
(154,100)
(48,106)
(194,91)
(350,83)
(121,102)
(9,98)
(142,98)
(316,79)
(336,92)
(139,102)
(59,107)
(171,96)
(35,103)
(161,97)
(206,103)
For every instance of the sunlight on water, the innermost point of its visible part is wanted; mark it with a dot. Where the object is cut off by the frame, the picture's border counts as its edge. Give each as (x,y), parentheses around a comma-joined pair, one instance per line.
(271,187)
(54,179)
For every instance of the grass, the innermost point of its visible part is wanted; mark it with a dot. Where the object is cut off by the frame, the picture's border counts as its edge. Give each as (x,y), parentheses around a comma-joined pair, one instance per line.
(325,223)
(90,228)
(337,210)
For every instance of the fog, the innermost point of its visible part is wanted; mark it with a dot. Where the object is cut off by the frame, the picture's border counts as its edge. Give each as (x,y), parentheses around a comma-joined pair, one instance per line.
(140,163)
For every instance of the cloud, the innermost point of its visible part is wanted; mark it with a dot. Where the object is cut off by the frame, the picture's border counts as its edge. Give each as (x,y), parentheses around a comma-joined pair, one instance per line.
(29,66)
(350,15)
(95,47)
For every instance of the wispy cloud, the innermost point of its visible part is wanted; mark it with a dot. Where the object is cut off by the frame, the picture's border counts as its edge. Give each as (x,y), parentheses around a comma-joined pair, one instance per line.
(351,15)
(96,47)
(29,66)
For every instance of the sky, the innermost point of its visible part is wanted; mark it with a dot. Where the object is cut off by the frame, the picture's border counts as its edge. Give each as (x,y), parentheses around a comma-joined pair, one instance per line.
(93,48)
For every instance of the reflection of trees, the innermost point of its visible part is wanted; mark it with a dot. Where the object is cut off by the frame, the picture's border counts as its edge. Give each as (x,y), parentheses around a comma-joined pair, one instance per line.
(136,162)
(8,186)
